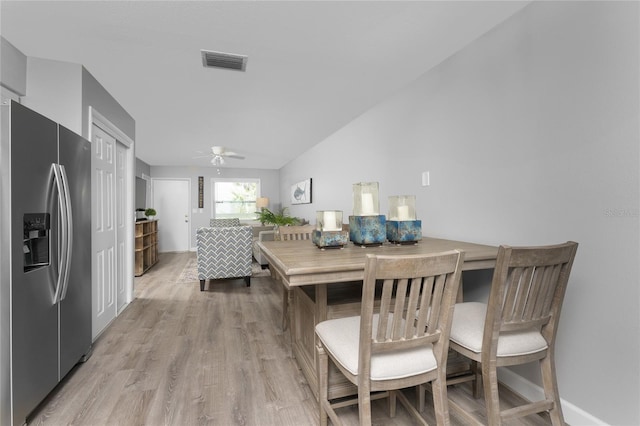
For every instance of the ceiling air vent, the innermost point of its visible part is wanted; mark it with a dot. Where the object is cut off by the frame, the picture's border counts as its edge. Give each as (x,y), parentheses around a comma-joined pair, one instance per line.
(230,61)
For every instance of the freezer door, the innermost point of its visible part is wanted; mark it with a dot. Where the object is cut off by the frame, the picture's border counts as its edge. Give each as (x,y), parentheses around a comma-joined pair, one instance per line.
(35,317)
(75,306)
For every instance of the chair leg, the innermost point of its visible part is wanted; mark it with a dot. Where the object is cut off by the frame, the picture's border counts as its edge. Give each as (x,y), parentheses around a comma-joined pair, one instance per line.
(550,386)
(440,399)
(392,403)
(420,395)
(247,280)
(491,396)
(410,408)
(201,285)
(322,368)
(364,405)
(477,381)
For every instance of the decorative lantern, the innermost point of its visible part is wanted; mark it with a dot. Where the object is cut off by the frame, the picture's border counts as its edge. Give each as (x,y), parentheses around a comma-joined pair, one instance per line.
(366,226)
(328,232)
(402,226)
(365,199)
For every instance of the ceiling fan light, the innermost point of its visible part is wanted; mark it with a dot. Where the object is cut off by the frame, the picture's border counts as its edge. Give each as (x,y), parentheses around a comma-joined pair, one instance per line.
(217,160)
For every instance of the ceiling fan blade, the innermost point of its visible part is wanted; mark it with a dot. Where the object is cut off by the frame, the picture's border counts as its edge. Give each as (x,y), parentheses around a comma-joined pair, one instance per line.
(202,156)
(220,151)
(233,155)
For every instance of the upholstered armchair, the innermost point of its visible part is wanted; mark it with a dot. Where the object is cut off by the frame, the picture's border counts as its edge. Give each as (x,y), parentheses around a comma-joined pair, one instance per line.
(261,233)
(224,252)
(233,221)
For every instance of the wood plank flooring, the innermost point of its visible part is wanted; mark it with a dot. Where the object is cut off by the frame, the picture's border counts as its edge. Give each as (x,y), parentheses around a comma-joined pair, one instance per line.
(178,356)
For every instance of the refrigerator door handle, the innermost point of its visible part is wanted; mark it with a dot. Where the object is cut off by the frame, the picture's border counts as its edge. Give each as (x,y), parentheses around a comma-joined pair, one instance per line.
(63,234)
(69,240)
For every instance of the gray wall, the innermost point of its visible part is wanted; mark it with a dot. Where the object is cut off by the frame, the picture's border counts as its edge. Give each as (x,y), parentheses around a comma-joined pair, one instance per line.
(269,181)
(54,89)
(63,91)
(96,96)
(13,67)
(142,168)
(531,137)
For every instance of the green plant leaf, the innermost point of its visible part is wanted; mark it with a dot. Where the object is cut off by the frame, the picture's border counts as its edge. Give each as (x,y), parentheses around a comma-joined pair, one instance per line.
(280,218)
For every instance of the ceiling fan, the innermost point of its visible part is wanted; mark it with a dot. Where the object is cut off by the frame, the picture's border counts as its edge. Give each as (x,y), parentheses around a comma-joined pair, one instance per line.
(218,155)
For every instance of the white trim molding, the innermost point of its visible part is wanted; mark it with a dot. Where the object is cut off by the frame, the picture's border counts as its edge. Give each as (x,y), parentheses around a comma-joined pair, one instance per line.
(573,414)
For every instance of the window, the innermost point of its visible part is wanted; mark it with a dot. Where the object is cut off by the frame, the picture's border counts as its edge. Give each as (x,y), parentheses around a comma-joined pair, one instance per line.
(235,198)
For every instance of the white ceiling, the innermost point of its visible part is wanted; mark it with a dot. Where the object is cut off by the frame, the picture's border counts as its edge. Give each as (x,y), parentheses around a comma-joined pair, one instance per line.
(313,65)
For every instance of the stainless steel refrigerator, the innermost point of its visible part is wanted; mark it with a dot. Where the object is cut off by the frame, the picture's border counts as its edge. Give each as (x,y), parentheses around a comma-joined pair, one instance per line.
(45,256)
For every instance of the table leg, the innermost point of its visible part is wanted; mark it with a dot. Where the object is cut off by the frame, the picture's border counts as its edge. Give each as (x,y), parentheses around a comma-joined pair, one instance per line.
(286,294)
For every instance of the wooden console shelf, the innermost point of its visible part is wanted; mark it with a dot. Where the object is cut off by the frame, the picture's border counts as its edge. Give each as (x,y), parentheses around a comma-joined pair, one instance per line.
(146,245)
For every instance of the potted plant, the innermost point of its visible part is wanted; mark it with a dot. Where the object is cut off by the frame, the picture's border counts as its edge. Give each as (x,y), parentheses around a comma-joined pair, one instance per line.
(279,218)
(150,213)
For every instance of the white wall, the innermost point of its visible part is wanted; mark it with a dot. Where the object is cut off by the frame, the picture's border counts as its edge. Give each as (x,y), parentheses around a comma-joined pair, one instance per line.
(531,137)
(269,181)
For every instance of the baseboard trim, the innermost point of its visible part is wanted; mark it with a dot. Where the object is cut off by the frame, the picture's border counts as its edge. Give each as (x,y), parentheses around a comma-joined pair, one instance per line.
(573,415)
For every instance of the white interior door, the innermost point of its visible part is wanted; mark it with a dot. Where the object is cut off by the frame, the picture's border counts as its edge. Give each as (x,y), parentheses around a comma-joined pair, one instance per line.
(121,225)
(103,184)
(171,200)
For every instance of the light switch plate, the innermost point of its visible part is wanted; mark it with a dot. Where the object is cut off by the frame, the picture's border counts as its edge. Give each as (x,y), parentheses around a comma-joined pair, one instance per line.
(426,181)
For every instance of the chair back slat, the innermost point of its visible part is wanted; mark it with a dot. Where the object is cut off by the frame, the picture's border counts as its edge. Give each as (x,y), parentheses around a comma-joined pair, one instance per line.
(416,301)
(437,298)
(544,303)
(385,309)
(399,324)
(296,232)
(425,305)
(412,311)
(530,283)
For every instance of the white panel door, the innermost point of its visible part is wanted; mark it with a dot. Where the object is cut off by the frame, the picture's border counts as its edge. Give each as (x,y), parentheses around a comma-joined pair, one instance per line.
(104,239)
(121,225)
(171,200)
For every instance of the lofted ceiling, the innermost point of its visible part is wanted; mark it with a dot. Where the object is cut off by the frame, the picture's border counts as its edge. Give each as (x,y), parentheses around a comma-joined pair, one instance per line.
(313,66)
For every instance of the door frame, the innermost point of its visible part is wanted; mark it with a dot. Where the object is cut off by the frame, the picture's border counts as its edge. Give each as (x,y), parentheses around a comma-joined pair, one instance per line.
(188,207)
(96,118)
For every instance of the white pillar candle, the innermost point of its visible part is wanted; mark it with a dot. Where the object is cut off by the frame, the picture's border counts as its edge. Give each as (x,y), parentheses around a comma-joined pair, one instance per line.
(403,212)
(329,221)
(367,204)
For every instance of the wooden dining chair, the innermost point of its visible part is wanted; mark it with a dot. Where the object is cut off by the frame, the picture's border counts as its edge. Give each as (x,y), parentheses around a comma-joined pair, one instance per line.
(296,232)
(403,344)
(292,233)
(518,325)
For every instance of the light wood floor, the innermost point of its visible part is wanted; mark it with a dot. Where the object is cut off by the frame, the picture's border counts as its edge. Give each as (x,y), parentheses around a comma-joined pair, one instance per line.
(178,356)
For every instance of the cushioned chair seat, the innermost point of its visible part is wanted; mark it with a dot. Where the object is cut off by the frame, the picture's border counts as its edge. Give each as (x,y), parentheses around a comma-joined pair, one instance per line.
(338,336)
(467,330)
(516,326)
(399,340)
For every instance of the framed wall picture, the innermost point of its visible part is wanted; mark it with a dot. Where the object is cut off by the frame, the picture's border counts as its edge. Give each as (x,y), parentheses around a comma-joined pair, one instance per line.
(200,192)
(301,192)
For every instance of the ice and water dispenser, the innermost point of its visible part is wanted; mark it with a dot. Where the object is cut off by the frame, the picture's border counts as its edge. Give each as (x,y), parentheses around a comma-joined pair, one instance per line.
(36,247)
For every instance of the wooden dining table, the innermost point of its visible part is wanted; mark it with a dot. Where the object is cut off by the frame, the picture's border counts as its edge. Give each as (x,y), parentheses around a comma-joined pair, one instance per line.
(327,283)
